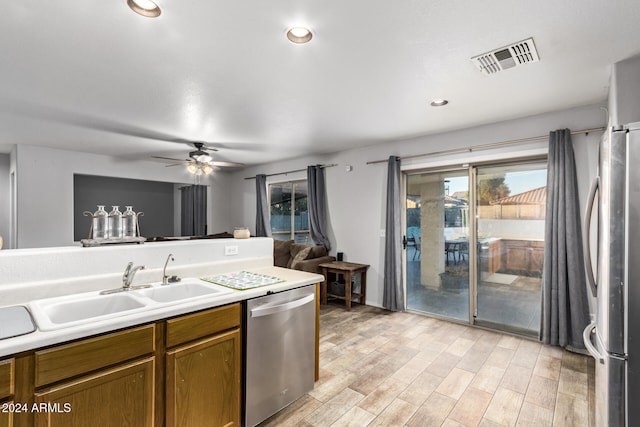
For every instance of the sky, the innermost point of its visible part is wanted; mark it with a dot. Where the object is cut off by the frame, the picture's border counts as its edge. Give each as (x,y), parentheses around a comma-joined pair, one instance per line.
(518,182)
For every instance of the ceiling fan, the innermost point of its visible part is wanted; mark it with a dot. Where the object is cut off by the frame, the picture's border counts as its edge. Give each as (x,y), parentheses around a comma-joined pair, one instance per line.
(200,160)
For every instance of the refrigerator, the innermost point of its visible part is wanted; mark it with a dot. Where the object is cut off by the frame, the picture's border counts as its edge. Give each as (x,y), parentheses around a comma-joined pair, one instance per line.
(613,337)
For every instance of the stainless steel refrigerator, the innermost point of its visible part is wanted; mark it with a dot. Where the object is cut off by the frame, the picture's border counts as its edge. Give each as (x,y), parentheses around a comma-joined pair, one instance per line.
(613,338)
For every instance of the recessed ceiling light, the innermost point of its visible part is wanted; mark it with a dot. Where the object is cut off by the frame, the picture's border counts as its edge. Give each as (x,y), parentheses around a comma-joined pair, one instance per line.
(144,7)
(439,102)
(299,35)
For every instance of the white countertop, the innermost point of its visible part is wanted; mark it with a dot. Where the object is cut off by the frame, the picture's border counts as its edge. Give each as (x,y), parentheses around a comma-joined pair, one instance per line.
(38,339)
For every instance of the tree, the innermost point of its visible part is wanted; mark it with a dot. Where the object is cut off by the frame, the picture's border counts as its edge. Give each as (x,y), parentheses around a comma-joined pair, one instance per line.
(492,189)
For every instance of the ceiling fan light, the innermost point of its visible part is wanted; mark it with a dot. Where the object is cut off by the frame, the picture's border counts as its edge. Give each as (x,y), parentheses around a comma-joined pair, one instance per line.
(204,158)
(193,168)
(207,169)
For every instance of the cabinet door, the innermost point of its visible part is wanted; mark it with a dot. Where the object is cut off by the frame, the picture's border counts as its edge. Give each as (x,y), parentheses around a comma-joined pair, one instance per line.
(203,382)
(122,396)
(6,391)
(517,256)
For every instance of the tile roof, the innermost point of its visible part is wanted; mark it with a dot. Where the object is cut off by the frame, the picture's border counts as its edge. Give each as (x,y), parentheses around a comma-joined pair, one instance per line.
(536,196)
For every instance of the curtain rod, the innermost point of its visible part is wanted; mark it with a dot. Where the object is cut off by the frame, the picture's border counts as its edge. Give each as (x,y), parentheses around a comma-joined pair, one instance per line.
(297,170)
(485,146)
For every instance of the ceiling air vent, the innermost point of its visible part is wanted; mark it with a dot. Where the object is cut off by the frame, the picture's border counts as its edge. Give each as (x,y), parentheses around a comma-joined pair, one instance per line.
(516,54)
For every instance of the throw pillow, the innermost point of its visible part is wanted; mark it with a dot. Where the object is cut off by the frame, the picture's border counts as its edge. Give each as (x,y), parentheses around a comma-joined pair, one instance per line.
(281,252)
(295,248)
(300,256)
(318,251)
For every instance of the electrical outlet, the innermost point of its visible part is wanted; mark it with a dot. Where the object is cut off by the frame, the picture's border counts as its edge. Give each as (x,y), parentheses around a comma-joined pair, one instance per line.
(231,250)
(383,232)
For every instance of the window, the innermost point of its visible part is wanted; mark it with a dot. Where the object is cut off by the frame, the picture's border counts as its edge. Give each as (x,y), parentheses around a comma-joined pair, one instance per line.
(288,211)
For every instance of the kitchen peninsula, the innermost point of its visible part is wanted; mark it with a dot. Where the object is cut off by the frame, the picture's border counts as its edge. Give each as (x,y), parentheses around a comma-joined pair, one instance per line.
(140,355)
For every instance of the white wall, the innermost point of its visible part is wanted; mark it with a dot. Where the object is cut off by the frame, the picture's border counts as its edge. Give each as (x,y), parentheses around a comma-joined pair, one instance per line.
(356,200)
(5,173)
(45,189)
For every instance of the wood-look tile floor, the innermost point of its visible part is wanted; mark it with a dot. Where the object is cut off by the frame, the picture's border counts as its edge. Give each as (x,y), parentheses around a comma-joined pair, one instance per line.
(379,368)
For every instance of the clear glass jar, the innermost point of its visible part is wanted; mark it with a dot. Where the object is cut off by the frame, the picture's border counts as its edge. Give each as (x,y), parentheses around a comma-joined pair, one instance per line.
(241,233)
(129,222)
(115,223)
(100,224)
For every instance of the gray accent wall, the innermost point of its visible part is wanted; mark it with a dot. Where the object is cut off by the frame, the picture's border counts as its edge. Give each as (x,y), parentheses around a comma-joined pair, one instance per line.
(155,199)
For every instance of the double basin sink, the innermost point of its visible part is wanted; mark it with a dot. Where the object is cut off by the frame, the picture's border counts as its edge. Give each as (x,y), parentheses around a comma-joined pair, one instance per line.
(67,311)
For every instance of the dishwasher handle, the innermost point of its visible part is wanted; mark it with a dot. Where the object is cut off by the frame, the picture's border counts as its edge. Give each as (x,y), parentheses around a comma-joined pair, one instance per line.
(272,309)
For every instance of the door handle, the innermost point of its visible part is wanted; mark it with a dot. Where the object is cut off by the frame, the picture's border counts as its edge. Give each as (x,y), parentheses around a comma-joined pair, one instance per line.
(586,238)
(267,309)
(586,337)
(404,242)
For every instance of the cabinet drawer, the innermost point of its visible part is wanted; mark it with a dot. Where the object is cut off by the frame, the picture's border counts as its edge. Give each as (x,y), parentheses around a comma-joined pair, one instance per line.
(6,378)
(188,328)
(81,357)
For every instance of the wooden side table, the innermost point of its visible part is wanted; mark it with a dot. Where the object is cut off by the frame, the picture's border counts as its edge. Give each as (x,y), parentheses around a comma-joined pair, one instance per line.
(349,269)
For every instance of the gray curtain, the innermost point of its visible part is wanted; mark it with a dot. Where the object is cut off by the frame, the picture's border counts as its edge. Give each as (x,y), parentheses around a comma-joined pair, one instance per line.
(263,226)
(193,210)
(393,295)
(565,309)
(316,206)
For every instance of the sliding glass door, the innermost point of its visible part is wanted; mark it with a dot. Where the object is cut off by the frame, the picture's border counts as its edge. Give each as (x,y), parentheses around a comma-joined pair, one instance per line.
(485,271)
(510,216)
(437,242)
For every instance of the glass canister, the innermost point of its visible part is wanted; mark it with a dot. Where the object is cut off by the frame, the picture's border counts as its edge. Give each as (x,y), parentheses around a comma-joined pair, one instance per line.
(241,233)
(100,223)
(129,218)
(115,223)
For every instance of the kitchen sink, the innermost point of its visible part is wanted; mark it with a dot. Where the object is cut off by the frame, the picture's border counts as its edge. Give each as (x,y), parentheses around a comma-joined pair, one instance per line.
(72,310)
(180,291)
(55,313)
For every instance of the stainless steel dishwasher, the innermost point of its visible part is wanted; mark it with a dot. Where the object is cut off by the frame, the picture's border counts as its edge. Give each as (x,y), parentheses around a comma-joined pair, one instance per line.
(280,351)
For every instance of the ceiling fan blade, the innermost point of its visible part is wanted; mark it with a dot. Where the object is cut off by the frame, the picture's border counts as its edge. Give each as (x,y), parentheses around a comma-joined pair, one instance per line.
(174,164)
(226,164)
(170,158)
(97,123)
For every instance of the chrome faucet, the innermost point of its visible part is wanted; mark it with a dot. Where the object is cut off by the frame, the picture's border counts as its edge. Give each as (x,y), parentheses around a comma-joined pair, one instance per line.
(165,278)
(128,275)
(127,278)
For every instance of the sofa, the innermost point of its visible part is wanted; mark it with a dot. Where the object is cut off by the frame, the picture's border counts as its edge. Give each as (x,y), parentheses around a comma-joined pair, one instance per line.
(288,254)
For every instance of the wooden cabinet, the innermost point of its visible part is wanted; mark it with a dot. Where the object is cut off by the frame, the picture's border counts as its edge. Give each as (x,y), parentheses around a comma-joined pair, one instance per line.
(524,257)
(184,371)
(109,378)
(121,396)
(7,387)
(203,382)
(203,373)
(81,357)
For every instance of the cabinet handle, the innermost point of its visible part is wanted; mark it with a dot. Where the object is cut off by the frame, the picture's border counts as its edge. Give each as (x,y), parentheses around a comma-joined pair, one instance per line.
(272,309)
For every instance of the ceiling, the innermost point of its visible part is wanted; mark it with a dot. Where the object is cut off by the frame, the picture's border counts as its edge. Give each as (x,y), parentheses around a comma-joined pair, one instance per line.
(93,76)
